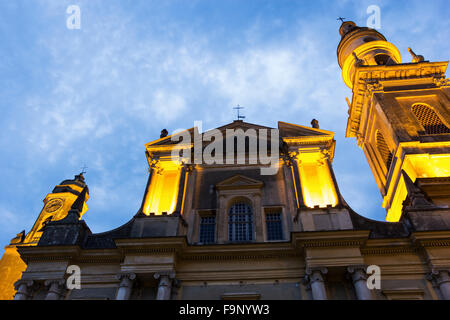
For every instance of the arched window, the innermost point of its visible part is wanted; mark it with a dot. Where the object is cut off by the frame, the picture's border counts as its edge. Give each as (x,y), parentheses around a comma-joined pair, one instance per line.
(429,119)
(382,59)
(383,149)
(240,222)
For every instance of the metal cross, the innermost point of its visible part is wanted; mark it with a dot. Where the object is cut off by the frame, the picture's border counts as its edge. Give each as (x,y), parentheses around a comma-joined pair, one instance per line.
(239,117)
(340,18)
(83,169)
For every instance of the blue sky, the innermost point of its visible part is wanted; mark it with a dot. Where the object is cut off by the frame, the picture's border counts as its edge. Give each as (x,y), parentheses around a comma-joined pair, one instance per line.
(96,95)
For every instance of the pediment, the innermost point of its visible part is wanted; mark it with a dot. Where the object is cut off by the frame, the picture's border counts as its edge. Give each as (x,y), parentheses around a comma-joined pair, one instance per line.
(239,182)
(242,125)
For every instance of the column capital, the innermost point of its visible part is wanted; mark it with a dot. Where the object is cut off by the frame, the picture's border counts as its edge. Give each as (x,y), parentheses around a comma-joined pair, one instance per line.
(357,272)
(125,278)
(312,270)
(23,288)
(439,276)
(315,274)
(55,290)
(164,275)
(25,283)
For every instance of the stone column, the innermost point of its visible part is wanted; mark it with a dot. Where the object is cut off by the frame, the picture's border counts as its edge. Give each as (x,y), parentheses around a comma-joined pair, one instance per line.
(55,289)
(125,286)
(359,278)
(23,288)
(317,283)
(442,280)
(164,285)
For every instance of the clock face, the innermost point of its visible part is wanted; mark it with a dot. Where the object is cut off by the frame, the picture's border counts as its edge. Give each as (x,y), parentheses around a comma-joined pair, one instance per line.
(54,205)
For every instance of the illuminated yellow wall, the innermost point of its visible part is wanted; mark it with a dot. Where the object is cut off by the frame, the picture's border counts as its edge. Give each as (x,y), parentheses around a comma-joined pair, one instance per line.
(317,184)
(11,268)
(417,166)
(163,191)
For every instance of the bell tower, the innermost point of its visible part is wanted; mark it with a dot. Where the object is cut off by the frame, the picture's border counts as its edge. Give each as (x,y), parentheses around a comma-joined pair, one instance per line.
(400,115)
(57,205)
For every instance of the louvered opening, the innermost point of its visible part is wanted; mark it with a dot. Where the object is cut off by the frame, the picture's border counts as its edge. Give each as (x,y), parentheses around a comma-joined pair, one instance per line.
(383,149)
(429,119)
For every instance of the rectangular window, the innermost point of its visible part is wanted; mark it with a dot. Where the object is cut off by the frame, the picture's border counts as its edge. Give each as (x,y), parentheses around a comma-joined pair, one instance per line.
(207,229)
(273,226)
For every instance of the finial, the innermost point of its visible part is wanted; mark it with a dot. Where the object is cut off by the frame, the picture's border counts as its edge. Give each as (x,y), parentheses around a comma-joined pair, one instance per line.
(415,57)
(80,176)
(239,117)
(315,124)
(342,19)
(164,133)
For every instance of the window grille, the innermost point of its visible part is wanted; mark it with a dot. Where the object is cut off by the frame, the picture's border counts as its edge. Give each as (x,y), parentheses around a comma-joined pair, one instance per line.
(240,222)
(273,226)
(429,119)
(383,149)
(207,230)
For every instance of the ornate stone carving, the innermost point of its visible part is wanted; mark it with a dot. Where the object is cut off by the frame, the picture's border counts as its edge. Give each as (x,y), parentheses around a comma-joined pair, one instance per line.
(372,86)
(55,288)
(441,81)
(24,289)
(354,271)
(441,279)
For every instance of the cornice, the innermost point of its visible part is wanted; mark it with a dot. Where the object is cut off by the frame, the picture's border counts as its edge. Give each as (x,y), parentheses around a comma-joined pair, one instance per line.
(341,238)
(371,79)
(230,275)
(431,238)
(151,245)
(237,254)
(402,71)
(368,251)
(48,253)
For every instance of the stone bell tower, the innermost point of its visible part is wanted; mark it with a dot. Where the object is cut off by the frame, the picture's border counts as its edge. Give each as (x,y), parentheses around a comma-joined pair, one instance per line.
(57,205)
(400,116)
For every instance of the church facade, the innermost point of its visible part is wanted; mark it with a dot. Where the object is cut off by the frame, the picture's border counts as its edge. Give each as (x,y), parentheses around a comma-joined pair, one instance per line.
(223,229)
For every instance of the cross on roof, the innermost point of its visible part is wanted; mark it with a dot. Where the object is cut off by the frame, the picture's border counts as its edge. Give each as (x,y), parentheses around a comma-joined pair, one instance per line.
(83,169)
(239,117)
(340,18)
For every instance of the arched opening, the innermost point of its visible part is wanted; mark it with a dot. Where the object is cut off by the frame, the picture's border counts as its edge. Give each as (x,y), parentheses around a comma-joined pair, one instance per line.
(383,149)
(429,119)
(382,59)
